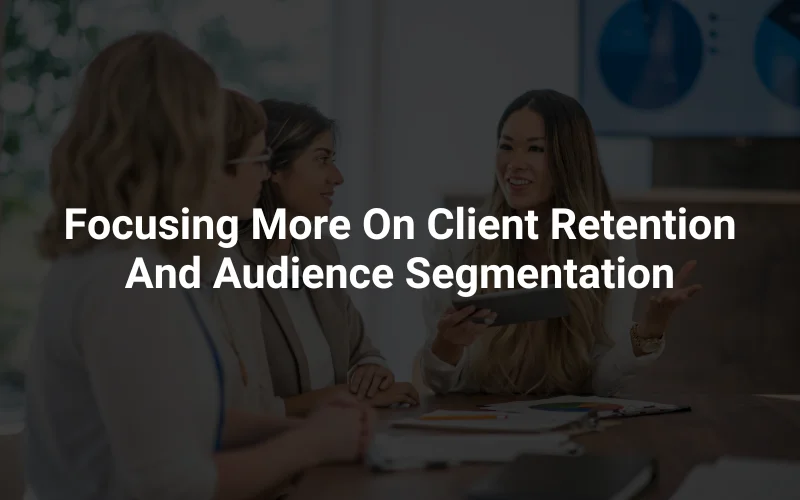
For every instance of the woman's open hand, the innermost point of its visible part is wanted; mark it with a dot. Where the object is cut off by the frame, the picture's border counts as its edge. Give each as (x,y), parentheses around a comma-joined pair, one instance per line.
(663,305)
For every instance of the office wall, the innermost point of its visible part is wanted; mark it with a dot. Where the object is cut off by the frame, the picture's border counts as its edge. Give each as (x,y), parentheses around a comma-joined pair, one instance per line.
(762,163)
(441,75)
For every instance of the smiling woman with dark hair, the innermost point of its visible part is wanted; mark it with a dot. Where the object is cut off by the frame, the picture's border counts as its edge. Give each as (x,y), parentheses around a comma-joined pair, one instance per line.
(546,157)
(303,145)
(315,339)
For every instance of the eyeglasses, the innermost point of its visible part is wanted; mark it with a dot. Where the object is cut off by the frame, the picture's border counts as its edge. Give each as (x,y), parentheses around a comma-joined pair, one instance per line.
(263,159)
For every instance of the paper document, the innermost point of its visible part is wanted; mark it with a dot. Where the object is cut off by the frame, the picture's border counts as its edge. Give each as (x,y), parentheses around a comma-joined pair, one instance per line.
(742,479)
(492,421)
(787,397)
(389,452)
(604,407)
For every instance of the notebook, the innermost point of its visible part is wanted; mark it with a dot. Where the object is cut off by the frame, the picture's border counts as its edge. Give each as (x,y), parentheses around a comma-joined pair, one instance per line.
(492,421)
(600,407)
(586,477)
(397,452)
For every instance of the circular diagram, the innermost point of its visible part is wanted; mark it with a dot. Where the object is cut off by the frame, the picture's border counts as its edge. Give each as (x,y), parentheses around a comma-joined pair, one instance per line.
(777,52)
(650,53)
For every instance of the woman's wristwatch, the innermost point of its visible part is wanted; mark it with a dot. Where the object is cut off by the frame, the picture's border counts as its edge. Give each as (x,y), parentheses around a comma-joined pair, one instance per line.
(645,345)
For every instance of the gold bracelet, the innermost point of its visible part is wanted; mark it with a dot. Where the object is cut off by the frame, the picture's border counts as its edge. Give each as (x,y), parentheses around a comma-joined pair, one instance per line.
(647,346)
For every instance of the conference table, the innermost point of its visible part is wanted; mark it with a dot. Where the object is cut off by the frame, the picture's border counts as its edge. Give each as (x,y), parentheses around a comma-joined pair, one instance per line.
(719,424)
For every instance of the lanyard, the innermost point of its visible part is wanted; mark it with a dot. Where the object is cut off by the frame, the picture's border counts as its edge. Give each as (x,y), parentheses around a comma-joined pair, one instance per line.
(218,366)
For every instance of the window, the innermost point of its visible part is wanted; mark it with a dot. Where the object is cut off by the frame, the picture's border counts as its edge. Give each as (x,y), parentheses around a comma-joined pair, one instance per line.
(270,48)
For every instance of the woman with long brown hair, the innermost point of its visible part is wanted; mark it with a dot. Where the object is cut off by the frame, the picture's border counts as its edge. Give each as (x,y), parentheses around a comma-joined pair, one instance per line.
(315,339)
(546,158)
(127,387)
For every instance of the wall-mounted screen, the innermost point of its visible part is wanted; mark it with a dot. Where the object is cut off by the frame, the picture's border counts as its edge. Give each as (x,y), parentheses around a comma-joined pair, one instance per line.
(692,67)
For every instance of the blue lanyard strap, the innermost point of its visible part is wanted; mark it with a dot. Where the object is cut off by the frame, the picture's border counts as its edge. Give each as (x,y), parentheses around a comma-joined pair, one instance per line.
(217,365)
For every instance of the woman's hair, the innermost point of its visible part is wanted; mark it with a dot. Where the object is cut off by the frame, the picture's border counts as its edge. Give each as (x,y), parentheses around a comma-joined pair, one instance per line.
(293,127)
(144,139)
(244,120)
(558,357)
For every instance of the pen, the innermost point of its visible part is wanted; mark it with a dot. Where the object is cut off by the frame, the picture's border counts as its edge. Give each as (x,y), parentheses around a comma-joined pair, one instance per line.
(464,417)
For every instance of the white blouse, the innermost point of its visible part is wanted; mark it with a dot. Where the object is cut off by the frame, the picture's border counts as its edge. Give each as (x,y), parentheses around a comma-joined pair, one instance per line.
(312,337)
(612,366)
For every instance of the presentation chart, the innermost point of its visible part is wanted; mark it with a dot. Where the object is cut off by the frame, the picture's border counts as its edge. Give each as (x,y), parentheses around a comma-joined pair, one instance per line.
(683,68)
(777,52)
(633,68)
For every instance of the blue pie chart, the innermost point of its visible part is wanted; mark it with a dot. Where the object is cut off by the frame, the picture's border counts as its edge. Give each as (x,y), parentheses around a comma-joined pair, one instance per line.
(650,53)
(777,52)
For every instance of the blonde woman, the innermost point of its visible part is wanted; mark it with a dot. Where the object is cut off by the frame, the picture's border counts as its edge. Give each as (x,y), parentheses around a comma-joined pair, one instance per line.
(546,158)
(126,387)
(245,170)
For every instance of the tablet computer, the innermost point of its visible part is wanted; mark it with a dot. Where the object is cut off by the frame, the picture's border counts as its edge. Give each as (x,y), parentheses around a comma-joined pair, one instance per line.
(520,305)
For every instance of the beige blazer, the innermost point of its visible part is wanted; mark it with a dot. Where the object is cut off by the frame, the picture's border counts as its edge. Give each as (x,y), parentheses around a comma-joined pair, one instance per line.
(341,322)
(249,382)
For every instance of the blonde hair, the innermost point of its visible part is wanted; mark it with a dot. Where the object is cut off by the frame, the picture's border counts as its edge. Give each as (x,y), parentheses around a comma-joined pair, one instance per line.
(144,140)
(557,357)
